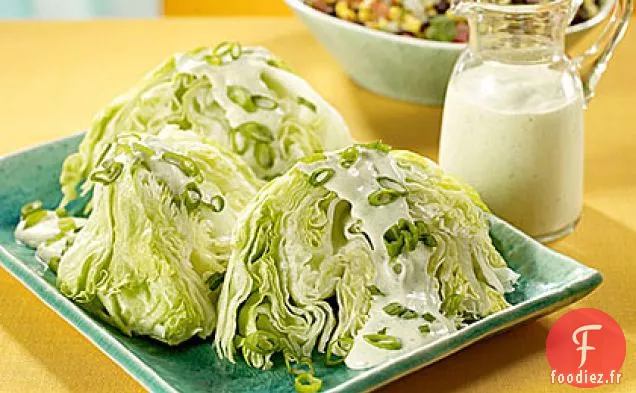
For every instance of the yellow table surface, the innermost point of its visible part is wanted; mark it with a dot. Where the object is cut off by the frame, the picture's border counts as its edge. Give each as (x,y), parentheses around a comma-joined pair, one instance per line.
(55,75)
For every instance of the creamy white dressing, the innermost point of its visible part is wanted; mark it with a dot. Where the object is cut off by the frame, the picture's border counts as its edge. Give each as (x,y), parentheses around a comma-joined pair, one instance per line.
(515,133)
(46,229)
(412,288)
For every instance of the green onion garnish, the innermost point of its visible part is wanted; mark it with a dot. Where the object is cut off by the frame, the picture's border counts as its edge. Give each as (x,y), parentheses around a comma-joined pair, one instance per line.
(55,238)
(321,176)
(383,341)
(349,156)
(223,48)
(217,203)
(264,155)
(184,163)
(392,184)
(191,196)
(397,268)
(377,145)
(30,208)
(238,141)
(241,97)
(215,280)
(262,342)
(213,59)
(428,240)
(61,212)
(424,329)
(382,331)
(408,314)
(383,197)
(345,343)
(110,173)
(143,149)
(375,291)
(66,224)
(305,102)
(236,50)
(264,102)
(307,383)
(54,263)
(34,218)
(394,309)
(428,317)
(257,131)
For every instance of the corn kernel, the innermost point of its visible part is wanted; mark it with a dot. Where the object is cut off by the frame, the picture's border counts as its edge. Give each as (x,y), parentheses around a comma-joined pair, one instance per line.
(411,24)
(395,13)
(342,9)
(365,14)
(382,23)
(431,11)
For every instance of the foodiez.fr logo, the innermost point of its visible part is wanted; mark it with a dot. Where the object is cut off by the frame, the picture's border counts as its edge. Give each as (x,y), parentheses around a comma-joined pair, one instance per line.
(586,348)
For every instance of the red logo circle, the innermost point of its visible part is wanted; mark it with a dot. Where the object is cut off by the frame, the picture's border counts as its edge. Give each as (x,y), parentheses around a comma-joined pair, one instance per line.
(586,348)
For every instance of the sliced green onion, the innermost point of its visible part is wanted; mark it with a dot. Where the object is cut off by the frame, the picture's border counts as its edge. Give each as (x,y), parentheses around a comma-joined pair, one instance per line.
(409,314)
(191,196)
(238,141)
(264,155)
(305,102)
(264,102)
(377,145)
(61,212)
(383,341)
(307,383)
(389,183)
(346,343)
(110,173)
(262,342)
(349,156)
(215,280)
(66,224)
(34,218)
(382,331)
(428,317)
(223,48)
(375,291)
(429,240)
(143,149)
(397,268)
(277,63)
(394,309)
(217,203)
(383,197)
(310,159)
(257,131)
(424,329)
(297,369)
(55,238)
(54,263)
(30,208)
(394,248)
(213,59)
(184,163)
(321,176)
(241,97)
(103,154)
(236,50)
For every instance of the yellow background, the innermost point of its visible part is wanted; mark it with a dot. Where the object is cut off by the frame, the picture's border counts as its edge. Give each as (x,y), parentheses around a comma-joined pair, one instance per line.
(226,7)
(55,75)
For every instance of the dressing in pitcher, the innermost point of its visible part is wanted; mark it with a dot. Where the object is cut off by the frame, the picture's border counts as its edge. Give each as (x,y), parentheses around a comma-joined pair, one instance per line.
(513,116)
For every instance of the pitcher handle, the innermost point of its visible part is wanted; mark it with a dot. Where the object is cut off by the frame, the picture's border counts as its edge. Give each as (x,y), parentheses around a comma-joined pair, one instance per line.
(599,54)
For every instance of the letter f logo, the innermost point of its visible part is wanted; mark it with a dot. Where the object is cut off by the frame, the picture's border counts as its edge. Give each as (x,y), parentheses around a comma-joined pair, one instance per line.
(583,344)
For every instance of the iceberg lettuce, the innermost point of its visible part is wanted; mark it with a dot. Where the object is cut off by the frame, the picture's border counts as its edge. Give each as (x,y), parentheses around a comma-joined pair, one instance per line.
(363,253)
(151,256)
(244,98)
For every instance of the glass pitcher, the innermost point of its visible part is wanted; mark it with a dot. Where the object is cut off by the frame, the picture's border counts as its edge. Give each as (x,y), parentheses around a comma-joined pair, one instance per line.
(513,116)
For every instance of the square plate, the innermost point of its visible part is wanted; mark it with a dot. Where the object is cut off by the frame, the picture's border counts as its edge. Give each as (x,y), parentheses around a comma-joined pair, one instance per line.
(548,281)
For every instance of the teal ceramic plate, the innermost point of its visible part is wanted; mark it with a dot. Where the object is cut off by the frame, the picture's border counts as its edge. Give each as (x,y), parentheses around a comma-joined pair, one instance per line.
(548,281)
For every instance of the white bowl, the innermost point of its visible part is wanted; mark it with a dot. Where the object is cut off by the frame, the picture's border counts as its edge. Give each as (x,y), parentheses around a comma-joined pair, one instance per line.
(400,67)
